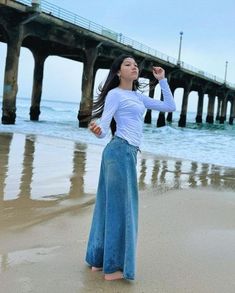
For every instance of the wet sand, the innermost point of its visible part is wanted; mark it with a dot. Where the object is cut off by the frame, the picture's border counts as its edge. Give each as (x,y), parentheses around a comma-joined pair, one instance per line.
(186,223)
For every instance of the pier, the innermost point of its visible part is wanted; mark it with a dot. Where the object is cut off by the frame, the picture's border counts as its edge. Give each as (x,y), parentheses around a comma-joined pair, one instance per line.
(47,30)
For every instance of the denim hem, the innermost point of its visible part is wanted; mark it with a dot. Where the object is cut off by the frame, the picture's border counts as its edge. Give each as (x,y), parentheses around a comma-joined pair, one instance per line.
(93,264)
(113,271)
(125,276)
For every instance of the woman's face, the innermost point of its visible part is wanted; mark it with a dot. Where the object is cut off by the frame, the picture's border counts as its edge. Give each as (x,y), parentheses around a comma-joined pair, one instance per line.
(129,70)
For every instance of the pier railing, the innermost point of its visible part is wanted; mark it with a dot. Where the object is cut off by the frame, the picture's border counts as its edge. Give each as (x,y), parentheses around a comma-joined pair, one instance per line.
(73,18)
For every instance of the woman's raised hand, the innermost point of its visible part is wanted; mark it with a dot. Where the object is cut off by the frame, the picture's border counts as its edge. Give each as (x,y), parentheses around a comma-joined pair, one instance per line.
(94,128)
(158,72)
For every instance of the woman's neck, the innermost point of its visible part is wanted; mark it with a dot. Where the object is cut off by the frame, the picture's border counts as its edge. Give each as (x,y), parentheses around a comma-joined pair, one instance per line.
(125,85)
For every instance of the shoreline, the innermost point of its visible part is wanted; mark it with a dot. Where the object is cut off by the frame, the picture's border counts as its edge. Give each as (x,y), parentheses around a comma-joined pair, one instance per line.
(105,141)
(47,168)
(102,142)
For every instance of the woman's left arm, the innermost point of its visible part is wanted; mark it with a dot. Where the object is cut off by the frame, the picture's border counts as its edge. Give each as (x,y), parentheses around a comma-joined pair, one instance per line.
(168,103)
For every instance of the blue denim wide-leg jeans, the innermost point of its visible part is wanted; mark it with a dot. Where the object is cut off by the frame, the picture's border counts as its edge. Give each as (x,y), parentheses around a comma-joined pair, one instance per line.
(113,234)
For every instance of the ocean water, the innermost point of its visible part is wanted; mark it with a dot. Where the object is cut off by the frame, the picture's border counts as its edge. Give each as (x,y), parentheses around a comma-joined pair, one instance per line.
(212,144)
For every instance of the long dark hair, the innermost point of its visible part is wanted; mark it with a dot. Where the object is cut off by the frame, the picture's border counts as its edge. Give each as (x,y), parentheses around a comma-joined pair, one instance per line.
(111,82)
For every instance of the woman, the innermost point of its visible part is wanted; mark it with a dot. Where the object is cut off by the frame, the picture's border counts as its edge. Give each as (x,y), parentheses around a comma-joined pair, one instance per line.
(113,235)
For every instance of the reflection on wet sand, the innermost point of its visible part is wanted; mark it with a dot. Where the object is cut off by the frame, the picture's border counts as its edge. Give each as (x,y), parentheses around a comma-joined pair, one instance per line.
(175,174)
(79,168)
(4,156)
(41,171)
(42,177)
(67,170)
(27,169)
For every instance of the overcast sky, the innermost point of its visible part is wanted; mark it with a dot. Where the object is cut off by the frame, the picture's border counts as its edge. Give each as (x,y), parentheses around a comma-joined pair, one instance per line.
(208,39)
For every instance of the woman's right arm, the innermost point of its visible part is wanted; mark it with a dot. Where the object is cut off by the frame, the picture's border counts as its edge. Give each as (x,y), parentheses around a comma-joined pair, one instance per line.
(110,107)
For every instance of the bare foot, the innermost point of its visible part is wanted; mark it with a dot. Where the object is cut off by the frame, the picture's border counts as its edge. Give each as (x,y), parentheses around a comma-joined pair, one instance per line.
(95,269)
(114,276)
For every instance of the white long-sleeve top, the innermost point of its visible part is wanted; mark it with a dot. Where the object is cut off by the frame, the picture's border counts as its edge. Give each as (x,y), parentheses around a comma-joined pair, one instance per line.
(128,108)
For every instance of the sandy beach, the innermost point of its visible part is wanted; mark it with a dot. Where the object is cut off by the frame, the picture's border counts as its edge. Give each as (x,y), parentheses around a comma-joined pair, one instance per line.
(47,192)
